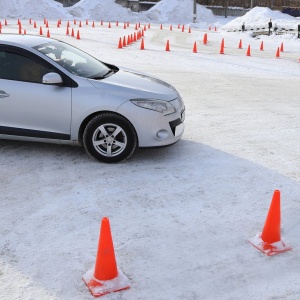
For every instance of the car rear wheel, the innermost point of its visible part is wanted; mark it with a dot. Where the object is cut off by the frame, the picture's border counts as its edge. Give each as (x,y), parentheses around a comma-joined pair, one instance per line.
(109,138)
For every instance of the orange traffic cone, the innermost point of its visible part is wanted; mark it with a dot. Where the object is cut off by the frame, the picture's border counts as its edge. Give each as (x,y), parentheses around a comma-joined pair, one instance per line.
(124,41)
(109,26)
(58,24)
(101,23)
(93,24)
(72,33)
(222,47)
(34,24)
(161,26)
(248,51)
(134,37)
(41,30)
(142,45)
(171,27)
(106,277)
(5,22)
(278,53)
(80,25)
(195,47)
(117,23)
(168,45)
(240,44)
(68,24)
(209,28)
(30,21)
(78,35)
(120,46)
(48,33)
(20,29)
(215,28)
(74,22)
(205,39)
(281,47)
(67,32)
(86,22)
(269,241)
(190,30)
(261,48)
(128,40)
(182,29)
(149,25)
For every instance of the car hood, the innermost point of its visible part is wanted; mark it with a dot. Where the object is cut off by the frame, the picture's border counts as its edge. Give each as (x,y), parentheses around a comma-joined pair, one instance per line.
(136,85)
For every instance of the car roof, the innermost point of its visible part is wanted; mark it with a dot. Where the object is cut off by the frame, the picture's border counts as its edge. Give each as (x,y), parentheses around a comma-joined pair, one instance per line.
(25,40)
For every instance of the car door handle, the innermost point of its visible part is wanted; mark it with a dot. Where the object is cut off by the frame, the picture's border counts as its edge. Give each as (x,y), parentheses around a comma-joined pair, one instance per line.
(3,94)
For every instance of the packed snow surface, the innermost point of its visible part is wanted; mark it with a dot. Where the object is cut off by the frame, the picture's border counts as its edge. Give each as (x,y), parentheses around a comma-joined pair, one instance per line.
(181,217)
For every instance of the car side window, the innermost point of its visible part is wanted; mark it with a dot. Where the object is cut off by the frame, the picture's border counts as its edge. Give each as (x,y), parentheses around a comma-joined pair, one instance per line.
(20,67)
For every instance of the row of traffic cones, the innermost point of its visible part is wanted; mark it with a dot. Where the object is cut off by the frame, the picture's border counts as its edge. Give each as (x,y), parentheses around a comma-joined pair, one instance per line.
(106,277)
(131,39)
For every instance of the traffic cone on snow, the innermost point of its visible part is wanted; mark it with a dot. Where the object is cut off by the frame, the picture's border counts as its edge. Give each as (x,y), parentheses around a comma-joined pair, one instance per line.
(72,33)
(269,241)
(120,46)
(281,47)
(124,25)
(68,24)
(142,45)
(134,37)
(195,47)
(48,34)
(78,35)
(149,26)
(117,23)
(34,24)
(190,30)
(87,22)
(178,26)
(261,48)
(278,53)
(30,21)
(67,32)
(205,39)
(248,51)
(161,27)
(101,23)
(168,45)
(109,26)
(209,28)
(240,44)
(41,30)
(20,29)
(93,24)
(80,25)
(124,41)
(136,27)
(74,22)
(171,27)
(222,47)
(5,22)
(128,40)
(58,24)
(182,29)
(215,28)
(106,277)
(24,32)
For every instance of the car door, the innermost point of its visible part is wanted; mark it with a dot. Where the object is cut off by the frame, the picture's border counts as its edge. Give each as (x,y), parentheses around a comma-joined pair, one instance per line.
(27,106)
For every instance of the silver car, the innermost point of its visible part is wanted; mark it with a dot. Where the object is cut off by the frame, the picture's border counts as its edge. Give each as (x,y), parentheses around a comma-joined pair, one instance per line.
(51,91)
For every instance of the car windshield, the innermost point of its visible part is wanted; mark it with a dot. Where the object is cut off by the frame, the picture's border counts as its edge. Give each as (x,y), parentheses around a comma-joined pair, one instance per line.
(74,60)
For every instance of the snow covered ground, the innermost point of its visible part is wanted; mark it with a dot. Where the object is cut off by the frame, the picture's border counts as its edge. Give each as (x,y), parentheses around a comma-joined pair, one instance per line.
(180,216)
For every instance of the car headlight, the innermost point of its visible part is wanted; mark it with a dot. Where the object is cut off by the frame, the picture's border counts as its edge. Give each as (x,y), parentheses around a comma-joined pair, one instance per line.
(158,105)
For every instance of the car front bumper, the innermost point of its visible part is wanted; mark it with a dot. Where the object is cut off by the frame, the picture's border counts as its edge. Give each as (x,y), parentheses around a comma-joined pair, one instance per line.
(153,128)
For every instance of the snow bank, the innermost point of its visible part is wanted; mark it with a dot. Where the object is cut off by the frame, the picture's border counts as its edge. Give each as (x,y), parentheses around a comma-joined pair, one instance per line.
(178,11)
(25,9)
(259,17)
(106,10)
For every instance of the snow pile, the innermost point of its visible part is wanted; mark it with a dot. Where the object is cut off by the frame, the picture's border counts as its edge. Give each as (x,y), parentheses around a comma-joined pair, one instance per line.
(25,9)
(106,10)
(178,11)
(258,17)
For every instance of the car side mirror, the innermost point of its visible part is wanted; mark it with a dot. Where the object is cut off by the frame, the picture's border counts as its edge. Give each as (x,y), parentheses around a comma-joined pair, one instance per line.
(52,79)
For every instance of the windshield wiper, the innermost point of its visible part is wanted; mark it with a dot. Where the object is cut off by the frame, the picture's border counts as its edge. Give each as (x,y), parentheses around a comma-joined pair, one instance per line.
(103,76)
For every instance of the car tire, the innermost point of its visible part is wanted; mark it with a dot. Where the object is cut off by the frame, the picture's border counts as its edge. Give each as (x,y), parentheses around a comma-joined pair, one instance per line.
(109,138)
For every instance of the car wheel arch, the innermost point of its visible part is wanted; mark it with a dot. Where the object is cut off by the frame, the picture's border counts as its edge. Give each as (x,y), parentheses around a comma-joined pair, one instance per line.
(93,115)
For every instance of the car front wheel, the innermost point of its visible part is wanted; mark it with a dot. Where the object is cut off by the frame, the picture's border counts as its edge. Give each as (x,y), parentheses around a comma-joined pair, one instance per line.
(109,138)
